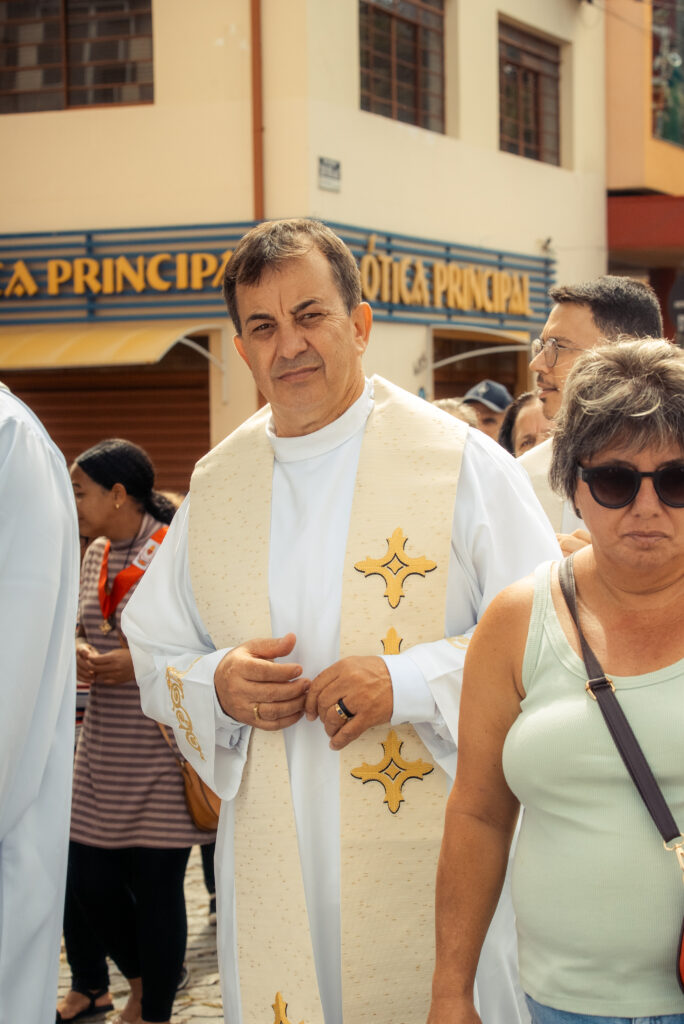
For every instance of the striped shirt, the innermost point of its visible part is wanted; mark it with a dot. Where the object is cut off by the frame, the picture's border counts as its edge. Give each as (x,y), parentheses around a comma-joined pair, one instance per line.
(128,788)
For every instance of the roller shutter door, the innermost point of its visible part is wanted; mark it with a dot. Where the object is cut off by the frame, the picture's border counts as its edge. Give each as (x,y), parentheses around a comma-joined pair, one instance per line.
(164,408)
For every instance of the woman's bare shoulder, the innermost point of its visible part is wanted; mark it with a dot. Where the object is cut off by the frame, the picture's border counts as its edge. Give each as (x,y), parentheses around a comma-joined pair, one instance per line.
(511,606)
(498,645)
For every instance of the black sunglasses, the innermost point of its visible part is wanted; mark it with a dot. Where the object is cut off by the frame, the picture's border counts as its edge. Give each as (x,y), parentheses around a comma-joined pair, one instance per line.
(617,486)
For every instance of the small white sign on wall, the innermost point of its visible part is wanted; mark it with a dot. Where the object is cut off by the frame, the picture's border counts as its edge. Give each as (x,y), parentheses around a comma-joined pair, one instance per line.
(329,174)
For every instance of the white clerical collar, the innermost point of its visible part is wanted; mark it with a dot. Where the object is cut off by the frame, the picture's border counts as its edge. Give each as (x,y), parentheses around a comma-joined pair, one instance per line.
(308,446)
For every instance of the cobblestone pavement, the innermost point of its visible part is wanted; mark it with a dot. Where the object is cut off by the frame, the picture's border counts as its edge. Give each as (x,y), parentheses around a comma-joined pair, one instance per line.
(200,1001)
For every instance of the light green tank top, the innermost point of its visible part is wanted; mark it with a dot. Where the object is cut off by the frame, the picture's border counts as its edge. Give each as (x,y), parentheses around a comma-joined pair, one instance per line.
(598,901)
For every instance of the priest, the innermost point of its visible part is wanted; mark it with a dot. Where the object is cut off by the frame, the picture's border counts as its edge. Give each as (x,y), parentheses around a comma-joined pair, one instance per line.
(303,629)
(38,598)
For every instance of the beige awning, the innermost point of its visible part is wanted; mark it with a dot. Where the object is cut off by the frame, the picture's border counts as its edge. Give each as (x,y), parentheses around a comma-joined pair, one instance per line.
(54,346)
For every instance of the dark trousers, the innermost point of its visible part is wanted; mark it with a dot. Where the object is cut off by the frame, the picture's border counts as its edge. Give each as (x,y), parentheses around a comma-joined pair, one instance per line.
(208,851)
(85,952)
(133,901)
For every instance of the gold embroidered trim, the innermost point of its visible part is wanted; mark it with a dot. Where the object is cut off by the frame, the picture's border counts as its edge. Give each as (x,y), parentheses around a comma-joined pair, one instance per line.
(393,771)
(392,642)
(280,1010)
(174,681)
(395,566)
(461,642)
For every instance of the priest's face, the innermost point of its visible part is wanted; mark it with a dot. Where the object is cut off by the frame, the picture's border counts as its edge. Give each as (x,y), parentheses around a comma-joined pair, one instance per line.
(303,348)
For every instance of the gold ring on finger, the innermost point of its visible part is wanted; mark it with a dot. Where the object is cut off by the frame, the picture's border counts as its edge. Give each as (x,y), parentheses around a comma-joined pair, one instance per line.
(257,716)
(342,710)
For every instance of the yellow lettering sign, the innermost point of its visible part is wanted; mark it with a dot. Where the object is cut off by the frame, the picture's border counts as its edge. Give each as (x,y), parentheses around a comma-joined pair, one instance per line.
(58,272)
(420,293)
(154,278)
(182,265)
(440,279)
(202,266)
(21,282)
(126,273)
(402,280)
(85,274)
(218,279)
(370,272)
(455,295)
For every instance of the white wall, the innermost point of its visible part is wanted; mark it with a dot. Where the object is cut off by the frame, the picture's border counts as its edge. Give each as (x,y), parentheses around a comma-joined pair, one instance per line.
(185,158)
(458,186)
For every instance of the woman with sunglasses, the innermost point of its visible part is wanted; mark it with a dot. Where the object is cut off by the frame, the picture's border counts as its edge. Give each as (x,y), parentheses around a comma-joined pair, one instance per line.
(599,901)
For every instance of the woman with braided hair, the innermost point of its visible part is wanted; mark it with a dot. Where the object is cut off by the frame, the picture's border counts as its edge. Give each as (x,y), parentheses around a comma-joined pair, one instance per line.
(131,833)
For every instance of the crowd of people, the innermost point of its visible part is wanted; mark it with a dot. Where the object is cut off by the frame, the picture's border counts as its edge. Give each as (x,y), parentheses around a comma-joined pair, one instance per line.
(360,587)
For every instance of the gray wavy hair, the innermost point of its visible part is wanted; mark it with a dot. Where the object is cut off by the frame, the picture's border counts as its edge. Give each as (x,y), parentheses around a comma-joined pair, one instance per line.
(627,393)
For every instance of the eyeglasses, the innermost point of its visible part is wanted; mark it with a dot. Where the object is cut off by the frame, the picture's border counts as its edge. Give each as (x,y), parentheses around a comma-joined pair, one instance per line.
(551,349)
(617,486)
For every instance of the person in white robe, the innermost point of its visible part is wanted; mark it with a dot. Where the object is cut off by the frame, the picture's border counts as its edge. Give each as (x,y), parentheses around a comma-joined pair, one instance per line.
(303,339)
(39,562)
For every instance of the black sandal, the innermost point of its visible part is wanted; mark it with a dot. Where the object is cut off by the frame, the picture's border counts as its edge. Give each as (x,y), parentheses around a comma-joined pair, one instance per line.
(90,1012)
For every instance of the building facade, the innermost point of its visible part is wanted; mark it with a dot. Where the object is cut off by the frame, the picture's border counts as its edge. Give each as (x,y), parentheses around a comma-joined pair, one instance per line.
(645,152)
(458,147)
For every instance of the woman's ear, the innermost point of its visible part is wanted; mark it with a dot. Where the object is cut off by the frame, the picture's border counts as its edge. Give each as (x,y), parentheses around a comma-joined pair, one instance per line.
(119,494)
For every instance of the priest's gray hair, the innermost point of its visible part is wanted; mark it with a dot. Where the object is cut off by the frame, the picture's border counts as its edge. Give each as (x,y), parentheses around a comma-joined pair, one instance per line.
(270,245)
(629,393)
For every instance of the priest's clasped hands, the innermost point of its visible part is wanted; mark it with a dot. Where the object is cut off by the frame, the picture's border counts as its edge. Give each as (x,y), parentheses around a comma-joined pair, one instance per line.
(255,689)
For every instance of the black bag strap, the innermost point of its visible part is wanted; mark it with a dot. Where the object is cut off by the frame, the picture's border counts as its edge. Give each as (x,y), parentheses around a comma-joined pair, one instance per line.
(602,690)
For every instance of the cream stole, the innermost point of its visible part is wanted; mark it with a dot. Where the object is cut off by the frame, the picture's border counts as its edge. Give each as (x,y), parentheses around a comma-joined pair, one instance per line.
(393,596)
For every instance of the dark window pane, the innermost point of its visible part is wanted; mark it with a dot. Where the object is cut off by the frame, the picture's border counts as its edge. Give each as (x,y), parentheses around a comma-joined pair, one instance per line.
(406,95)
(31,32)
(431,83)
(382,108)
(528,95)
(382,87)
(408,116)
(406,49)
(108,52)
(30,102)
(406,73)
(31,10)
(393,42)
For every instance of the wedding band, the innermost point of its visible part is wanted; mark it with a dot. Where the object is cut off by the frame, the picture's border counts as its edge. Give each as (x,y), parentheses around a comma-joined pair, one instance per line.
(257,716)
(343,711)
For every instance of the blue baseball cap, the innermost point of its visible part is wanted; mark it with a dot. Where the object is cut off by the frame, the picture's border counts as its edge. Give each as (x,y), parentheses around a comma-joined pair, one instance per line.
(494,396)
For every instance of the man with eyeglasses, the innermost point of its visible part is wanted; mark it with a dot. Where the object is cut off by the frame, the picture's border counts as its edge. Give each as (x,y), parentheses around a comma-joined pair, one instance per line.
(583,316)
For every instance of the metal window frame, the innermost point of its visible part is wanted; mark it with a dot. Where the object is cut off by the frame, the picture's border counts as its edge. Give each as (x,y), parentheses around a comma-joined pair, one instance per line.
(395,14)
(65,90)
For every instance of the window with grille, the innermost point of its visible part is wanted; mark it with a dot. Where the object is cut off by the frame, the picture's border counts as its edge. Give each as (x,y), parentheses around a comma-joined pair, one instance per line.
(73,53)
(402,60)
(529,86)
(668,70)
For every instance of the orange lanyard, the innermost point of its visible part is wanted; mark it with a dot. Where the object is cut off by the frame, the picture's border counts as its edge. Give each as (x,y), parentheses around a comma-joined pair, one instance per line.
(124,580)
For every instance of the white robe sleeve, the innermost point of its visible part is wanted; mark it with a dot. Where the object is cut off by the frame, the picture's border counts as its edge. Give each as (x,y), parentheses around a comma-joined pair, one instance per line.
(500,534)
(167,636)
(38,595)
(38,600)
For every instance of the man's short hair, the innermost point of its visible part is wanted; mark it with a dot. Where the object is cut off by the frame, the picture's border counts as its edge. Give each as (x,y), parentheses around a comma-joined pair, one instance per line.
(270,245)
(628,393)
(619,305)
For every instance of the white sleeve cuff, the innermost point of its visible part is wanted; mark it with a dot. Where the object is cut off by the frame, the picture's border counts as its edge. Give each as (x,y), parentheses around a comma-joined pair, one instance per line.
(227,728)
(413,701)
